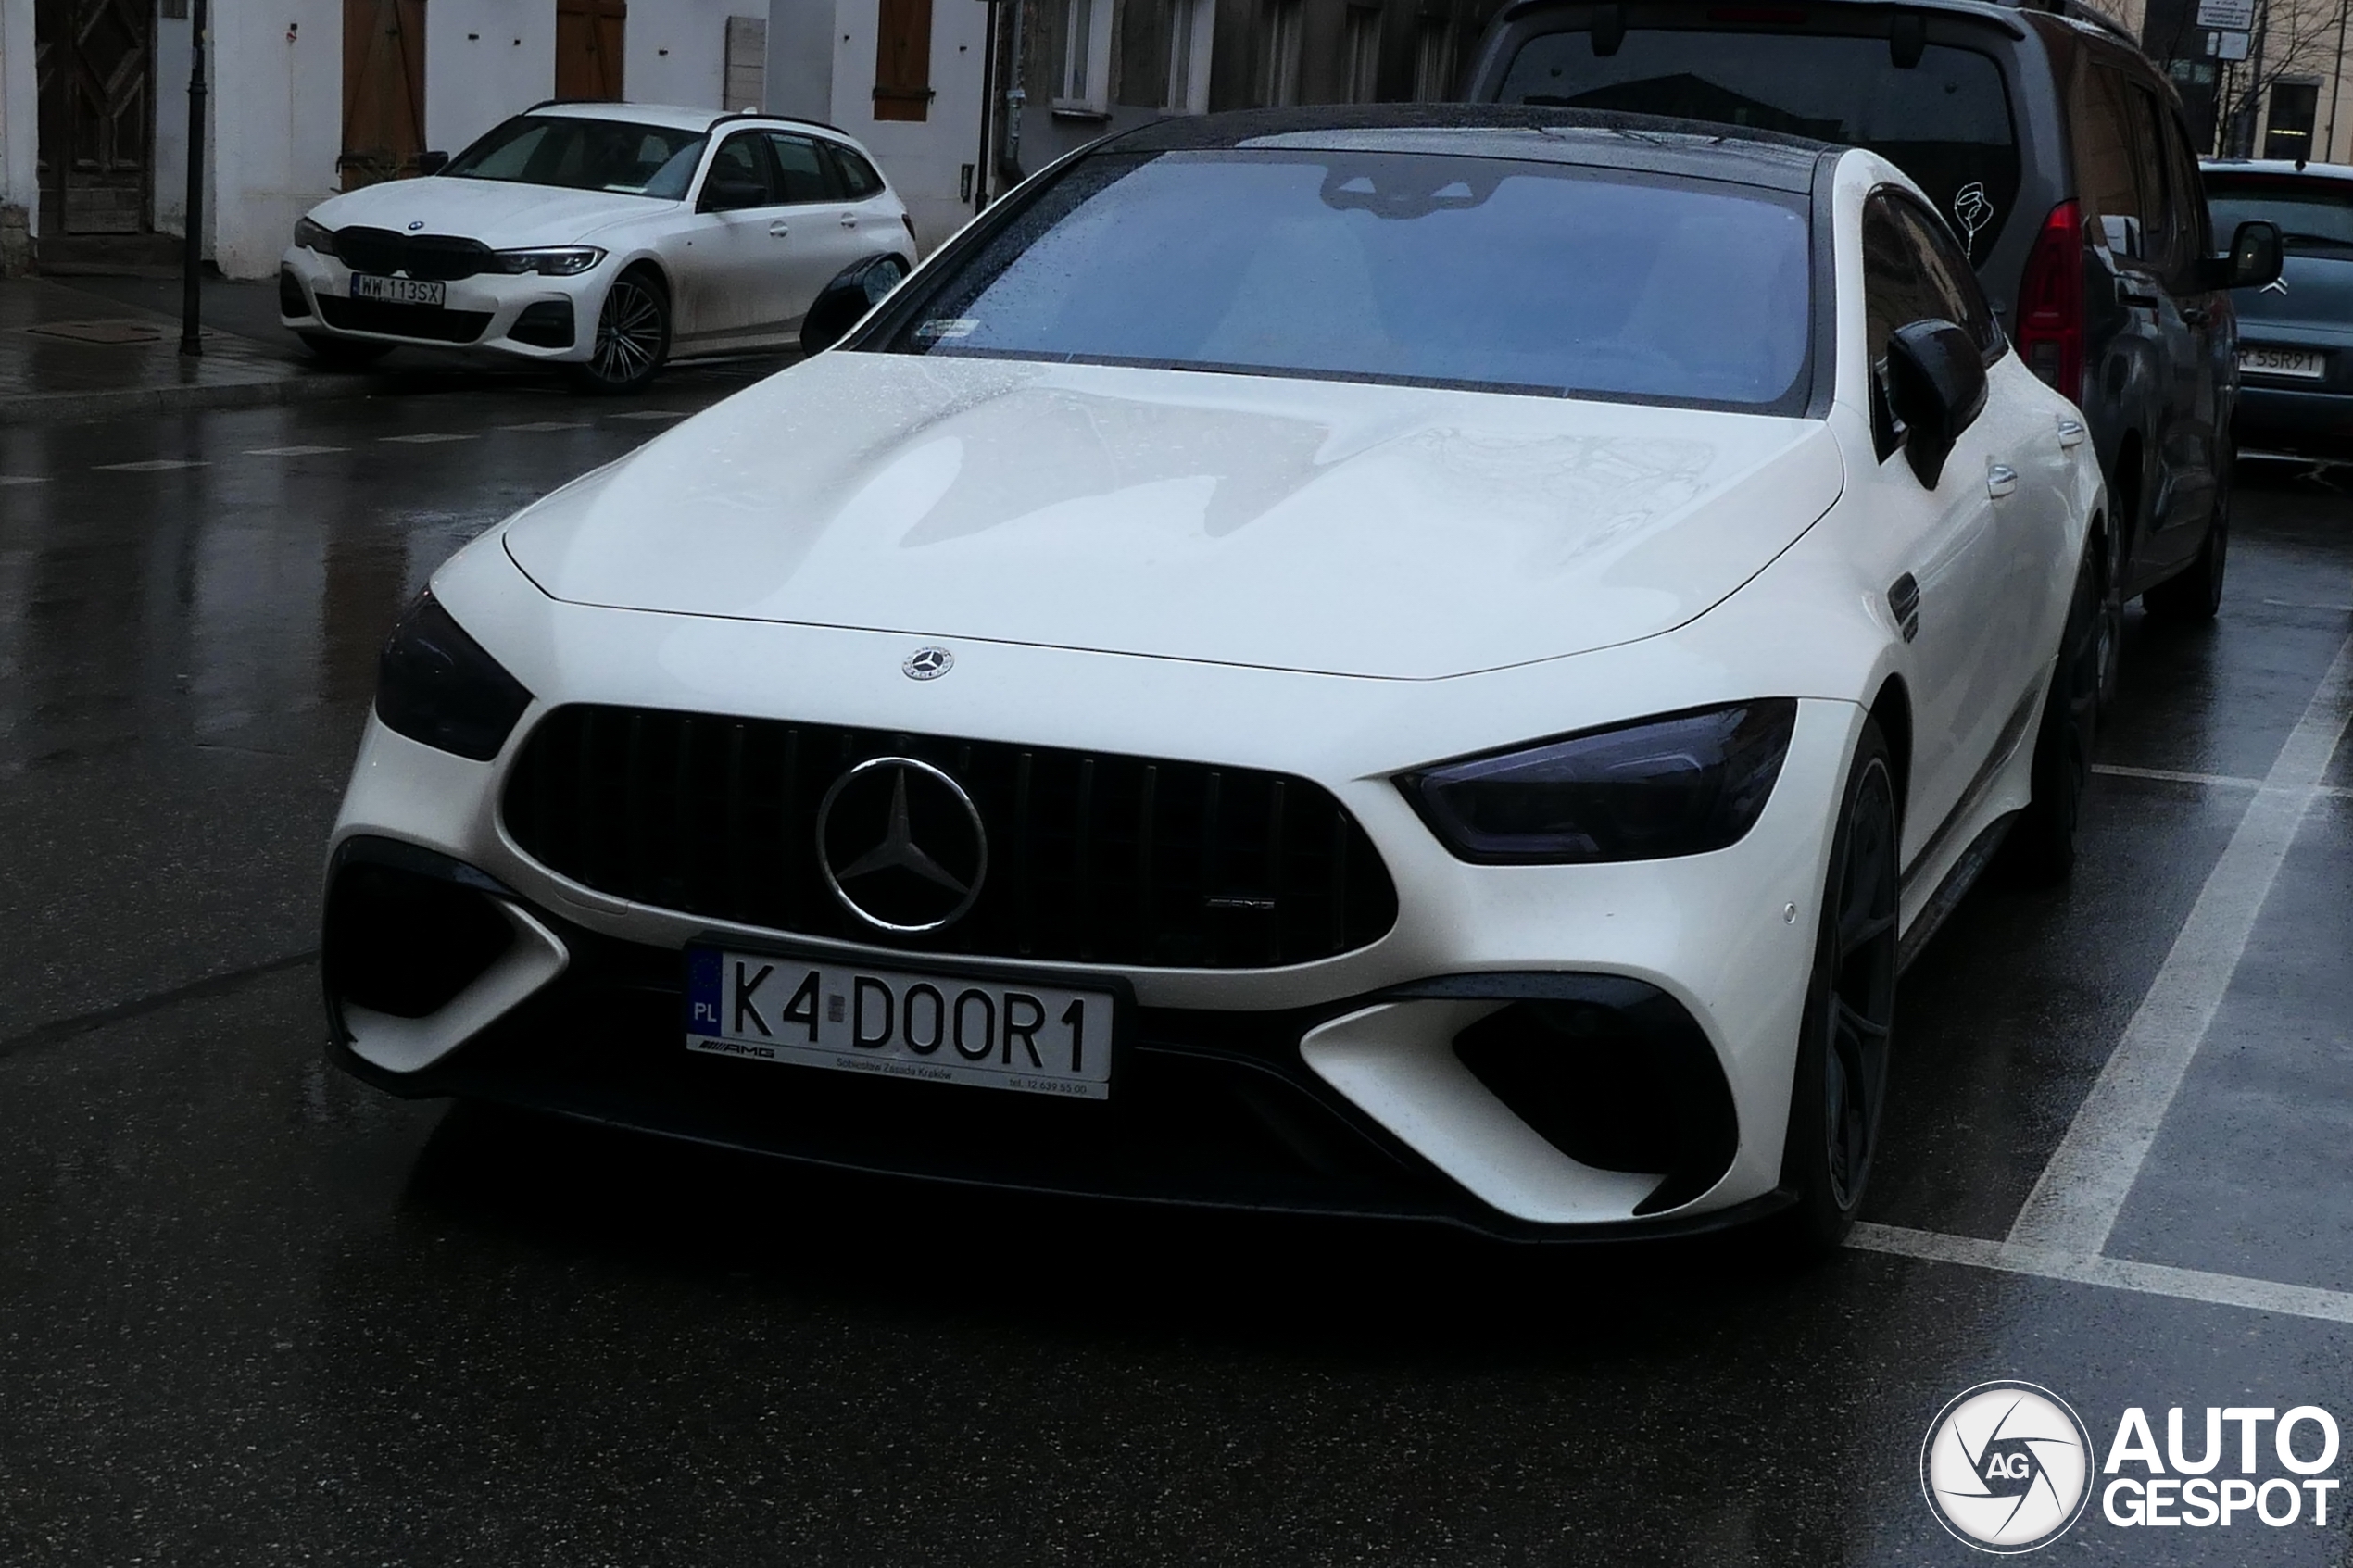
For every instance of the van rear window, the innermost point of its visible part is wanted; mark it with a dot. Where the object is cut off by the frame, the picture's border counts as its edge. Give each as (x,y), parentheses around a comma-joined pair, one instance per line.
(1944,121)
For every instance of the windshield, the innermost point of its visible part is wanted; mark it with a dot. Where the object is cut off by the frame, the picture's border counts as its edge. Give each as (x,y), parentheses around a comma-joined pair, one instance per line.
(2310,216)
(1417,269)
(1944,121)
(584,154)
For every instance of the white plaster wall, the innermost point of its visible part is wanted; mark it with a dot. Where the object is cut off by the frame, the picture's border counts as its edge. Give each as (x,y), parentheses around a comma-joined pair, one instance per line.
(923,158)
(676,50)
(485,59)
(19,113)
(277,80)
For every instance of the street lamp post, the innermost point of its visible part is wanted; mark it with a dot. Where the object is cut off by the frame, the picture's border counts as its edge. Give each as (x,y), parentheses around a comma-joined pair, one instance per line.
(192,250)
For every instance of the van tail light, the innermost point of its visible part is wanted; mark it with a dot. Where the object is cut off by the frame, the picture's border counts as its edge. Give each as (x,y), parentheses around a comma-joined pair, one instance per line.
(2050,302)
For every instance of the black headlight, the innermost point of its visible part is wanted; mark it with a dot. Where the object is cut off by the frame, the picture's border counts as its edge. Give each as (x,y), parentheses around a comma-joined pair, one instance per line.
(1679,784)
(436,685)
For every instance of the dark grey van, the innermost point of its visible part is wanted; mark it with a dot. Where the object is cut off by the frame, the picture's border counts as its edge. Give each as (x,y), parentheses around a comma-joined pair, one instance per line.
(2061,158)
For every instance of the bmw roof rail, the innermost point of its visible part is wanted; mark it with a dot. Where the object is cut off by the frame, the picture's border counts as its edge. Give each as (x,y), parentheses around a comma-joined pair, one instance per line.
(785,119)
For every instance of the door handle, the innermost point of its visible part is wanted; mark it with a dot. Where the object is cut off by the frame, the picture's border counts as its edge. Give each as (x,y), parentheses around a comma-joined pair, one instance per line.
(2070,433)
(2000,479)
(2128,294)
(850,220)
(778,229)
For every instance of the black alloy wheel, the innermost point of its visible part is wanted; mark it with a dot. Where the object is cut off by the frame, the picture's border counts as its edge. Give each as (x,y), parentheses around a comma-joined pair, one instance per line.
(1848,1030)
(347,353)
(2197,594)
(632,336)
(2040,850)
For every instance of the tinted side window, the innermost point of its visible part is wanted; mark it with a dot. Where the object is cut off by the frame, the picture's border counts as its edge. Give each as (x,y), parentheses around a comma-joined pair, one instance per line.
(1894,294)
(1949,278)
(2111,166)
(739,162)
(2164,237)
(859,180)
(803,175)
(2180,166)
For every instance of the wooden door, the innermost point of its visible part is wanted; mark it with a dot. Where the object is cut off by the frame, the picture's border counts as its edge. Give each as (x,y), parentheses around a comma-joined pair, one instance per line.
(383,90)
(588,49)
(93,66)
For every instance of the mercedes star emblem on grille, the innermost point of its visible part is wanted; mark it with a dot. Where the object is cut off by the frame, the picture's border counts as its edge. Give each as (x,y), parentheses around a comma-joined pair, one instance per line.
(902,845)
(928,663)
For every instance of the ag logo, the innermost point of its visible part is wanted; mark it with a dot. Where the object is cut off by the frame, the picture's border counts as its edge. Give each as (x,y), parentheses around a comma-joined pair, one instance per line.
(2006,1467)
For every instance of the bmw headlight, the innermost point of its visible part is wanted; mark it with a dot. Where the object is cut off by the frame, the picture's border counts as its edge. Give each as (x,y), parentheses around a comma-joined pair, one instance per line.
(312,235)
(548,261)
(434,685)
(1678,784)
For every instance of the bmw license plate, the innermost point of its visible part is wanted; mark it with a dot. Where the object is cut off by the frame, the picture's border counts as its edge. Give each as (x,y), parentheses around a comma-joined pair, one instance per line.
(898,1023)
(2304,364)
(398,290)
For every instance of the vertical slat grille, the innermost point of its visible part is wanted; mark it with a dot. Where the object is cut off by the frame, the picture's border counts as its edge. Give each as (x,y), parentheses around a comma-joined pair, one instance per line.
(1092,858)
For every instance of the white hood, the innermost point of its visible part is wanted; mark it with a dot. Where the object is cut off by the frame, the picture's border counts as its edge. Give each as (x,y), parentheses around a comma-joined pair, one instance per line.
(502,214)
(1295,525)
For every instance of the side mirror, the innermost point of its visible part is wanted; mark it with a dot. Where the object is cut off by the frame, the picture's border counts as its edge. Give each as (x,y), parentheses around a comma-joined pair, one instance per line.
(720,195)
(1937,385)
(843,303)
(431,163)
(2254,259)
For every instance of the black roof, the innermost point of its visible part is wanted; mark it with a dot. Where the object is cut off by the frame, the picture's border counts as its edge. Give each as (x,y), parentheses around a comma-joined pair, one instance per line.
(1599,138)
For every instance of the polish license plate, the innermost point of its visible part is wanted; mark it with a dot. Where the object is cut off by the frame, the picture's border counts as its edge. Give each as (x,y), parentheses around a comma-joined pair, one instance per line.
(398,290)
(2306,364)
(901,1024)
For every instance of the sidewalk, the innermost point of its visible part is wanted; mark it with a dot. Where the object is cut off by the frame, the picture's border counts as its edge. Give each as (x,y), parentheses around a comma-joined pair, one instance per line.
(70,353)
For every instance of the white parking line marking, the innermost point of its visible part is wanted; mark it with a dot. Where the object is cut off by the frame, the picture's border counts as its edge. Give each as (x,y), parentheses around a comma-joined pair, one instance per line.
(8,479)
(153,465)
(538,426)
(2214,781)
(2118,1274)
(2307,604)
(653,414)
(2218,781)
(427,437)
(293,451)
(2075,1201)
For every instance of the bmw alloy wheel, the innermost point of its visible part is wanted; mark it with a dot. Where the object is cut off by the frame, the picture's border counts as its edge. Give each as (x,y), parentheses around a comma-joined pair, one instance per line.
(632,336)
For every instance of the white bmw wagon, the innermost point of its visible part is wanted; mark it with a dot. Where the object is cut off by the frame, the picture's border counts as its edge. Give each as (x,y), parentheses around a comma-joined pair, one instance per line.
(604,238)
(1411,663)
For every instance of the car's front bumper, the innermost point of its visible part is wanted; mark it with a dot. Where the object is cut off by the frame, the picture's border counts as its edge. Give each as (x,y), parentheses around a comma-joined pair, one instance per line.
(1369,1034)
(527,317)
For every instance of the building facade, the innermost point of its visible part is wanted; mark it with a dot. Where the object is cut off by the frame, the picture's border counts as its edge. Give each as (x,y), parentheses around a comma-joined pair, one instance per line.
(957,99)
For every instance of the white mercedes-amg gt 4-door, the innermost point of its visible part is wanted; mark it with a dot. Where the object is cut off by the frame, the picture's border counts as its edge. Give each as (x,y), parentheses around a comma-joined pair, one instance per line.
(1411,661)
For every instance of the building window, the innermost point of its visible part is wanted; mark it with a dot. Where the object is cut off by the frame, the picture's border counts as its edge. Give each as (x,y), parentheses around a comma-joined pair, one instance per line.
(2295,106)
(902,60)
(1280,88)
(1434,62)
(1086,73)
(1190,25)
(1360,51)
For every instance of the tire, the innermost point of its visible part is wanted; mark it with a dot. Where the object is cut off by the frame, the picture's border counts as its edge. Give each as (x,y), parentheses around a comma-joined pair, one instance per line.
(632,336)
(343,352)
(2040,850)
(1845,1041)
(2197,594)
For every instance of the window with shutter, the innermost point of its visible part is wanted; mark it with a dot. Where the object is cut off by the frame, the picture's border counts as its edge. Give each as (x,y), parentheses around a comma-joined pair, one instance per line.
(902,60)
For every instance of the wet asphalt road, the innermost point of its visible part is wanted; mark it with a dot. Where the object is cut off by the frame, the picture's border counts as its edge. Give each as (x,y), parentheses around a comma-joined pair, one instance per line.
(252,1312)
